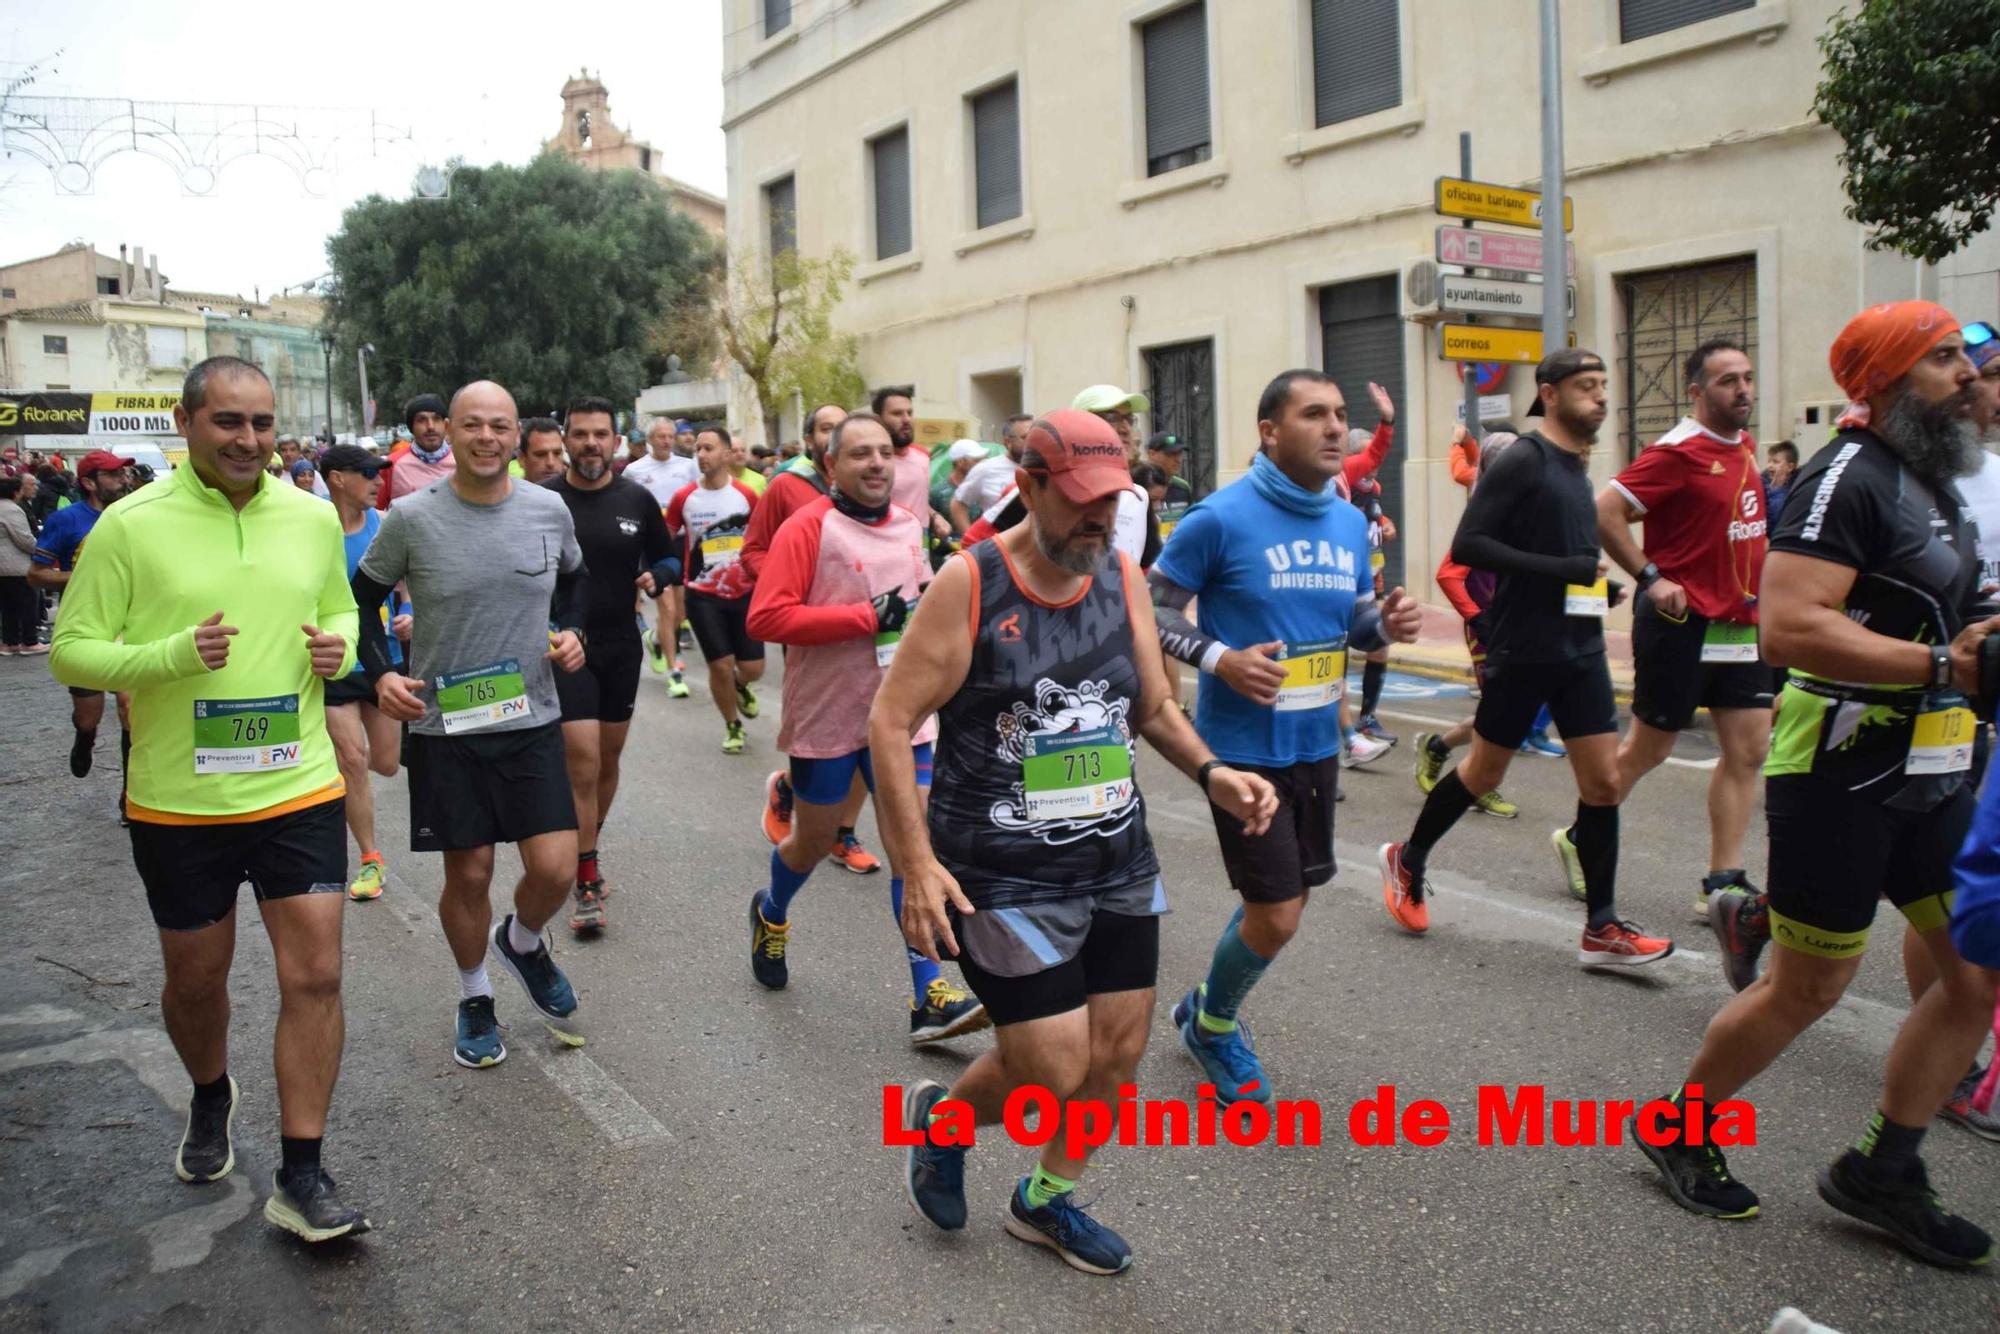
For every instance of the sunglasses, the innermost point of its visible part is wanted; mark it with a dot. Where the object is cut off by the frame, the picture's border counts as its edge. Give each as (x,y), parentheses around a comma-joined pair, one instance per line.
(1977,334)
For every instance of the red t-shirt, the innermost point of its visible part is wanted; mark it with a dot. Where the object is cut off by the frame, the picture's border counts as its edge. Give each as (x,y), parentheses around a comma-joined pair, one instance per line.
(1702,500)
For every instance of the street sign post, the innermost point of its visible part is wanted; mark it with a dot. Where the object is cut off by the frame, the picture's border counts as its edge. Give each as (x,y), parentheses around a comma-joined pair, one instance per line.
(1489,342)
(1492,408)
(1494,250)
(1483,202)
(1495,296)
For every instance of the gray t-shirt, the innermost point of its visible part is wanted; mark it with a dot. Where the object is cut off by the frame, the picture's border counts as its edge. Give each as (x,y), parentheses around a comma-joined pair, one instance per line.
(481,578)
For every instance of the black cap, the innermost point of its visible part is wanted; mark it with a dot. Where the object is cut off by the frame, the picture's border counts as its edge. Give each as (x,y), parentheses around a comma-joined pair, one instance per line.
(350,458)
(1166,442)
(1559,366)
(423,403)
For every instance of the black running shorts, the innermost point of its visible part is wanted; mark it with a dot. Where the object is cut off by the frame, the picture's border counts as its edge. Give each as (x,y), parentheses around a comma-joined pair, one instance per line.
(193,871)
(349,690)
(482,788)
(1296,853)
(1578,693)
(1121,953)
(722,627)
(606,688)
(1670,681)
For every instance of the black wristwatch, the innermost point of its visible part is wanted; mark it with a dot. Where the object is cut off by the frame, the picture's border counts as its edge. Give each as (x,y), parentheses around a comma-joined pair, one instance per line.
(1201,774)
(1940,666)
(1648,576)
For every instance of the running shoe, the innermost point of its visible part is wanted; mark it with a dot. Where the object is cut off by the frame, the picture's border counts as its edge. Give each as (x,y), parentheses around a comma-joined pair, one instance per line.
(478,1044)
(1741,920)
(767,947)
(548,990)
(587,908)
(656,657)
(1371,727)
(311,1208)
(1228,1059)
(1497,806)
(732,739)
(1697,1177)
(1715,883)
(79,753)
(848,852)
(746,699)
(32,649)
(778,806)
(367,885)
(676,687)
(1432,756)
(1959,1107)
(207,1150)
(946,1012)
(1571,863)
(1362,749)
(1541,743)
(683,640)
(1897,1197)
(1403,892)
(933,1174)
(1621,945)
(1063,1227)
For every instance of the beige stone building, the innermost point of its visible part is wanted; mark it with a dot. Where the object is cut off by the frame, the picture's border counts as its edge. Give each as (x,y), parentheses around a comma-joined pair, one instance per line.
(589,135)
(1186,196)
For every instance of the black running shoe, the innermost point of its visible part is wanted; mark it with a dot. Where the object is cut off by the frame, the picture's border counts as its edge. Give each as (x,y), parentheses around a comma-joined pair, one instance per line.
(767,947)
(933,1175)
(207,1151)
(79,753)
(1697,1176)
(308,1206)
(1742,923)
(1897,1197)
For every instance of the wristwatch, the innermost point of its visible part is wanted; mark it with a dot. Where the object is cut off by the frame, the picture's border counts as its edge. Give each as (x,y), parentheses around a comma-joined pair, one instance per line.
(1648,576)
(1940,666)
(1201,774)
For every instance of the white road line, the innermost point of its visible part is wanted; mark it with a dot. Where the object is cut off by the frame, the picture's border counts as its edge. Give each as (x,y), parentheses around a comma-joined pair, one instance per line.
(1709,763)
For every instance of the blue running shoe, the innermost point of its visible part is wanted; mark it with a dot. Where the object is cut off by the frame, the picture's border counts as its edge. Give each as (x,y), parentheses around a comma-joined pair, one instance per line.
(479,1043)
(1063,1227)
(548,990)
(1228,1059)
(1541,743)
(933,1176)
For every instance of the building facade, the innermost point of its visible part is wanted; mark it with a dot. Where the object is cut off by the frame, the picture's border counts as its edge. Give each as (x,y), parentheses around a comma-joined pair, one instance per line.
(1187,196)
(589,135)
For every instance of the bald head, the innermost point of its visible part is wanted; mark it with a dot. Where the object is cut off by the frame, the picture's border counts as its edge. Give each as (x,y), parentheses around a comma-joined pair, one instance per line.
(483,428)
(484,393)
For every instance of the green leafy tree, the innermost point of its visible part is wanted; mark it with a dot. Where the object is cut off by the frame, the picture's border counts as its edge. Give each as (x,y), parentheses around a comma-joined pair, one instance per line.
(548,278)
(1913,89)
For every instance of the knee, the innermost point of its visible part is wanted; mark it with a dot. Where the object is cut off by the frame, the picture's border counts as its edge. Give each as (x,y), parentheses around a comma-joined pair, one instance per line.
(353,764)
(1063,1074)
(1746,758)
(1805,997)
(1115,1059)
(314,980)
(1275,924)
(195,984)
(1597,791)
(385,765)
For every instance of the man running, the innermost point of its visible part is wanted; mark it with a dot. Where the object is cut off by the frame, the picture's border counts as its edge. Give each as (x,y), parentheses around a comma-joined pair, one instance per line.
(896,409)
(989,479)
(1694,630)
(1279,563)
(219,599)
(836,590)
(427,459)
(483,557)
(541,454)
(1867,597)
(102,477)
(1036,651)
(1532,521)
(663,472)
(709,518)
(365,740)
(625,546)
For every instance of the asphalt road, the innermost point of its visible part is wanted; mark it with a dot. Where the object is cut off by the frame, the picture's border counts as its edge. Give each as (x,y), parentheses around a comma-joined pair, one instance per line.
(713,1158)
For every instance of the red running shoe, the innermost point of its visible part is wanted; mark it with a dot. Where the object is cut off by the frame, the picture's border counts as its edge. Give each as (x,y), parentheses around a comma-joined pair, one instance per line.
(1621,945)
(1403,892)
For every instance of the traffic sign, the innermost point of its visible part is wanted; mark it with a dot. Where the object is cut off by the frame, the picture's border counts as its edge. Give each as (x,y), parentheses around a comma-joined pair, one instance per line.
(1495,296)
(1496,203)
(1492,408)
(1494,250)
(1489,375)
(1486,342)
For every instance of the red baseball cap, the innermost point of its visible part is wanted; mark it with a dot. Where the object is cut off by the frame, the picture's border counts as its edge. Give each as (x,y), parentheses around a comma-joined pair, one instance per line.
(101,460)
(1080,453)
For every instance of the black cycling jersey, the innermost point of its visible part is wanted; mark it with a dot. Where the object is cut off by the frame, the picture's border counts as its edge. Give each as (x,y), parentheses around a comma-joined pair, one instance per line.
(622,534)
(1532,522)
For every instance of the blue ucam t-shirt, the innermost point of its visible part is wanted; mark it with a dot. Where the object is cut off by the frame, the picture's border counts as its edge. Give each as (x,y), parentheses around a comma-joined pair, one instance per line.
(357,547)
(1261,572)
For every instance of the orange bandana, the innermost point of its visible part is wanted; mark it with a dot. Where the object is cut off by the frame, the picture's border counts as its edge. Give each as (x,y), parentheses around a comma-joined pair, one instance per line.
(1878,347)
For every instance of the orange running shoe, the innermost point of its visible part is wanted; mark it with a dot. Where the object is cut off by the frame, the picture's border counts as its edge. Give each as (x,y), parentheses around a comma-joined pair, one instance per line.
(848,852)
(777,806)
(1403,892)
(1621,945)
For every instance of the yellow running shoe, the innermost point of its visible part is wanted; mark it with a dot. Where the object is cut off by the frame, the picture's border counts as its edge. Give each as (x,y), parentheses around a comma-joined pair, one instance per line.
(367,885)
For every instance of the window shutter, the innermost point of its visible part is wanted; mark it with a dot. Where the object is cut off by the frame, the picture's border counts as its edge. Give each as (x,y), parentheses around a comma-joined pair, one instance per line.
(892,193)
(1357,58)
(1176,50)
(1646,18)
(777,16)
(1362,338)
(781,207)
(996,154)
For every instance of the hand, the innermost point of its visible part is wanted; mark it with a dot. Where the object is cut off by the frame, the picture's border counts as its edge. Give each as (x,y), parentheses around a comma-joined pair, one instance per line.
(402,625)
(1460,437)
(396,696)
(1479,625)
(1402,618)
(327,650)
(211,641)
(566,651)
(1668,596)
(1388,530)
(1248,797)
(891,613)
(644,583)
(1385,407)
(1614,593)
(1965,654)
(1253,672)
(925,922)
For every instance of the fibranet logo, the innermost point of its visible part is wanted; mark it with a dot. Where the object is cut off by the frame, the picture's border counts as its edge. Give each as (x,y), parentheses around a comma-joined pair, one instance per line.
(10,413)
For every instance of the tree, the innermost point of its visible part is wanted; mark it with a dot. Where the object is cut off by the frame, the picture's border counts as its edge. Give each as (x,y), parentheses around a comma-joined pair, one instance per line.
(548,278)
(1913,89)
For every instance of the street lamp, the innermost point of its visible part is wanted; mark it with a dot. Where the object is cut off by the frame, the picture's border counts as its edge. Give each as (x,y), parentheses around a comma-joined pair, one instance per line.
(361,359)
(326,346)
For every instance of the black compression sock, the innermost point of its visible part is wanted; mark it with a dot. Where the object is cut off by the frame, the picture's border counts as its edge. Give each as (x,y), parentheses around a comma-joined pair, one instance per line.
(1436,746)
(1596,838)
(1886,1141)
(1372,677)
(216,1090)
(301,1156)
(846,832)
(1447,801)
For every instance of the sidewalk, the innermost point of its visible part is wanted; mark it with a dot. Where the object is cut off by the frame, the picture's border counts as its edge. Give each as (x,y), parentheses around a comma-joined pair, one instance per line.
(1440,651)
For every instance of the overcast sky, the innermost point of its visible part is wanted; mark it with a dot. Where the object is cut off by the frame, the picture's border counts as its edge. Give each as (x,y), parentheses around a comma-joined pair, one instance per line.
(480,81)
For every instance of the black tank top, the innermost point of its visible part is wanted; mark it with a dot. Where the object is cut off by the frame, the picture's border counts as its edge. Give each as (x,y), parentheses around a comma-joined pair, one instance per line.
(1033,797)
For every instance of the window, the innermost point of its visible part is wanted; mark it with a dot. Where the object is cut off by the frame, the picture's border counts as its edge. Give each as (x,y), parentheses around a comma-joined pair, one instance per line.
(107,287)
(1669,313)
(55,345)
(1180,382)
(1361,340)
(777,16)
(1176,70)
(1357,58)
(996,154)
(1648,18)
(166,347)
(890,157)
(6,294)
(781,214)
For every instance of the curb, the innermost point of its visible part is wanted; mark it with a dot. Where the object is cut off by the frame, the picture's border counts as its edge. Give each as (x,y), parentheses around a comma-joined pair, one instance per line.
(1450,669)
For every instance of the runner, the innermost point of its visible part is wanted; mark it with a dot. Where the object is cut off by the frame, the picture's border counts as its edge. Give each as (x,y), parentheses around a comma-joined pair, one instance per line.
(541,453)
(1279,563)
(1367,498)
(1866,597)
(233,777)
(426,459)
(897,411)
(710,516)
(625,546)
(365,740)
(1533,522)
(1034,867)
(102,477)
(836,590)
(663,472)
(990,479)
(483,555)
(1694,630)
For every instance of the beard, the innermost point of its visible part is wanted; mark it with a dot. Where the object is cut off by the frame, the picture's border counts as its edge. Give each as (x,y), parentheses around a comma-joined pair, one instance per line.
(1074,553)
(1935,439)
(904,438)
(1582,427)
(590,467)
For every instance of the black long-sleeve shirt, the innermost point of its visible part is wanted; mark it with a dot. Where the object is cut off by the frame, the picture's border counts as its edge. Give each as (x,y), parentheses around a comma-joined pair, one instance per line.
(1532,521)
